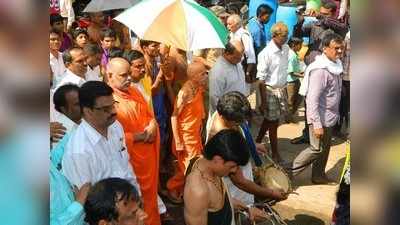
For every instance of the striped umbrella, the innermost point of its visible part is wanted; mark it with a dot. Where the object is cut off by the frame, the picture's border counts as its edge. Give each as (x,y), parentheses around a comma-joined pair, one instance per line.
(180,23)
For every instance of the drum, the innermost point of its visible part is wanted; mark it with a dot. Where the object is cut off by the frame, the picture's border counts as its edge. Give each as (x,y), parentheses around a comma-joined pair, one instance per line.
(242,218)
(272,176)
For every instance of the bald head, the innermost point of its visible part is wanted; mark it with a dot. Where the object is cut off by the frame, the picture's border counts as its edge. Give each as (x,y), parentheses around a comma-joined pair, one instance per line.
(118,74)
(234,51)
(117,64)
(197,72)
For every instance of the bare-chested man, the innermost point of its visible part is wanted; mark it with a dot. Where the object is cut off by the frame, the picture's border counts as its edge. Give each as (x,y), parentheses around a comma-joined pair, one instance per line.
(96,24)
(233,109)
(206,199)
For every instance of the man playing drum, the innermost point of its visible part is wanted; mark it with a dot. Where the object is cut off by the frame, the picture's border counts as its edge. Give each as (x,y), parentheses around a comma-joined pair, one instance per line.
(206,199)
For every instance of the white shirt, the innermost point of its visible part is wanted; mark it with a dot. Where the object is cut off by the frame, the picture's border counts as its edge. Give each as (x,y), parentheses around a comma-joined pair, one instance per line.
(67,11)
(223,78)
(90,157)
(273,64)
(70,78)
(93,74)
(244,36)
(58,68)
(65,121)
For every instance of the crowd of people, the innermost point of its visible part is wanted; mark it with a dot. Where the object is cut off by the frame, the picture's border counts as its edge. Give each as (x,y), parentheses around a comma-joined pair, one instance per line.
(135,123)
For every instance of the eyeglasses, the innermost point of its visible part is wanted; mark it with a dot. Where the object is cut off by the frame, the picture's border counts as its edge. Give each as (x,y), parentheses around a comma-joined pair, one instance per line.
(107,108)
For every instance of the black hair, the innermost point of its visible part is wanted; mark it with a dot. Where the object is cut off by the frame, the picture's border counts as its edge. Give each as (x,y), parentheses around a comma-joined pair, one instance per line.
(54,31)
(329,4)
(91,90)
(326,41)
(78,31)
(67,57)
(107,32)
(59,96)
(264,9)
(145,43)
(234,106)
(55,18)
(115,52)
(230,145)
(229,48)
(131,55)
(103,197)
(293,41)
(92,49)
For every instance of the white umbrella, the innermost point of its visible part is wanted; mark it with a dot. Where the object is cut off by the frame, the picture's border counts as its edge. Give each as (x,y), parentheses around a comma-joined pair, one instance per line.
(180,23)
(104,5)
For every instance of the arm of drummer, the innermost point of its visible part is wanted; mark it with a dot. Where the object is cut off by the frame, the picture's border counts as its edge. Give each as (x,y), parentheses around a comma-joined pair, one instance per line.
(196,200)
(250,187)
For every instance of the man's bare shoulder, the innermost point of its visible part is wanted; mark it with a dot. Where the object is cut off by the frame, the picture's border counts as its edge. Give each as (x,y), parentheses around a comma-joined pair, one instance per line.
(195,187)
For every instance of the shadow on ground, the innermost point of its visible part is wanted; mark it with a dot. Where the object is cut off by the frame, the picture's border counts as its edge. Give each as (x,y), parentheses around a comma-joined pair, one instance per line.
(301,219)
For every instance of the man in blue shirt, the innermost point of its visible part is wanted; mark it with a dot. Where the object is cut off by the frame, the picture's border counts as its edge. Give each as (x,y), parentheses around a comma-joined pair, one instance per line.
(256,27)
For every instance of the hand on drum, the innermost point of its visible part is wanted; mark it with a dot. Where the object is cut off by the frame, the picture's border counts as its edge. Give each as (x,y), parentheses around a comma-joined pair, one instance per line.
(256,214)
(261,149)
(279,194)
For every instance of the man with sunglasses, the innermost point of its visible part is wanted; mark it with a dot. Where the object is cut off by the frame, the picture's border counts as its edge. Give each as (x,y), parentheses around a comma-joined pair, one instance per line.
(96,149)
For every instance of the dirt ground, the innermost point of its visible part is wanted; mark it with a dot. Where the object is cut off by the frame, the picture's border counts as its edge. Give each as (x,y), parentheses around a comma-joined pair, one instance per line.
(311,204)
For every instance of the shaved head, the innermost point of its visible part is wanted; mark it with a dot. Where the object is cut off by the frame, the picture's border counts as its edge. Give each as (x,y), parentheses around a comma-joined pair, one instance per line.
(197,72)
(118,71)
(238,45)
(117,64)
(234,51)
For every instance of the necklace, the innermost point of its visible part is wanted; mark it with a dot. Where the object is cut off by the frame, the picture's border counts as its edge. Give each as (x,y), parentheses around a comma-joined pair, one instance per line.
(215,182)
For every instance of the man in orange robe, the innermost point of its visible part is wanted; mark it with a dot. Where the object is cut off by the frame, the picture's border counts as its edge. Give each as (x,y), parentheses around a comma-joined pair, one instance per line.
(141,133)
(186,120)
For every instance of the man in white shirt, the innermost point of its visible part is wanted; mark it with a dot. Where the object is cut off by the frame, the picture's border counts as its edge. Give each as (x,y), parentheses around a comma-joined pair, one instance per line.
(56,59)
(227,75)
(66,103)
(237,32)
(93,53)
(75,61)
(97,149)
(272,74)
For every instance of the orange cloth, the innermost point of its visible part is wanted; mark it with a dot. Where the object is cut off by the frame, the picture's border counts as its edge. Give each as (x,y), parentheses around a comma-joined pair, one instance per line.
(190,122)
(134,113)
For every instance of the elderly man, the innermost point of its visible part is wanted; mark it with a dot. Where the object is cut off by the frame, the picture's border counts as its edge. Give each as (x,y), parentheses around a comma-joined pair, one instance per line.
(187,120)
(141,132)
(237,32)
(227,75)
(97,149)
(93,53)
(75,62)
(322,88)
(272,74)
